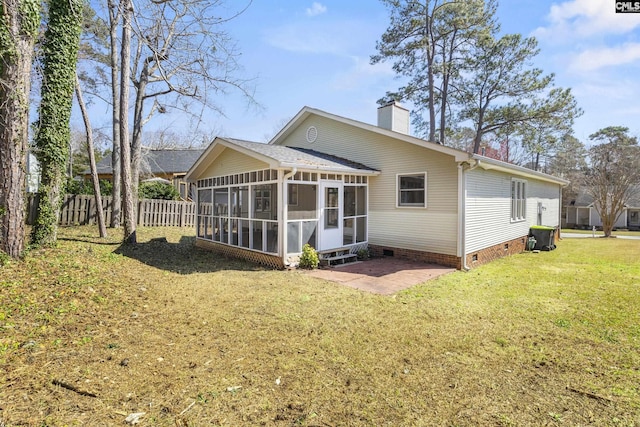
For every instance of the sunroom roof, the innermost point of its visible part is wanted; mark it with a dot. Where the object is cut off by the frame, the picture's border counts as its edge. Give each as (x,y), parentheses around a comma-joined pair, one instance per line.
(303,158)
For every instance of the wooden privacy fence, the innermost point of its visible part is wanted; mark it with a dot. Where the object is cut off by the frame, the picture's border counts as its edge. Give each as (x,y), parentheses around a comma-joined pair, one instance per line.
(81,210)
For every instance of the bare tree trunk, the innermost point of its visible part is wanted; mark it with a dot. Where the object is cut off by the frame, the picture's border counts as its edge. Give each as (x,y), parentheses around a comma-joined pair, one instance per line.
(477,140)
(136,140)
(92,160)
(15,83)
(129,207)
(116,204)
(430,78)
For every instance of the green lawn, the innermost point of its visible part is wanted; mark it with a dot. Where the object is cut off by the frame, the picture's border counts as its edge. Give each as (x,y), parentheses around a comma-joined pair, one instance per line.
(92,332)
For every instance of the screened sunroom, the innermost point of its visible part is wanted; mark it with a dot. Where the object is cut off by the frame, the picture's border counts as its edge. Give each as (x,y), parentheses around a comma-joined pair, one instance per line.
(275,211)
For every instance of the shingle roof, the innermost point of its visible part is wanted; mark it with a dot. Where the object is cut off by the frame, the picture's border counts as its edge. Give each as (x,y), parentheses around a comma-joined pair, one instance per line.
(302,157)
(585,199)
(159,161)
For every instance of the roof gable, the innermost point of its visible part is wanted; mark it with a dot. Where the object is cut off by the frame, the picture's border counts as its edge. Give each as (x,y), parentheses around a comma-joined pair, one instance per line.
(458,155)
(277,156)
(308,111)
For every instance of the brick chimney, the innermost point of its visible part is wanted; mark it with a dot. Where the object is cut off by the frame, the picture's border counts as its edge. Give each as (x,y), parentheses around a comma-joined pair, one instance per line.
(393,116)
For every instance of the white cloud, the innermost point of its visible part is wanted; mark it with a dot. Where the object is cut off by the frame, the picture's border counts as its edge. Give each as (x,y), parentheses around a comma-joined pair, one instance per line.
(335,38)
(594,59)
(577,19)
(316,9)
(362,73)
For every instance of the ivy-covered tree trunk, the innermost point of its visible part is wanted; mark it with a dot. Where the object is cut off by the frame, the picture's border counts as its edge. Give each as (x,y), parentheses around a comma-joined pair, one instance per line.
(19,21)
(60,48)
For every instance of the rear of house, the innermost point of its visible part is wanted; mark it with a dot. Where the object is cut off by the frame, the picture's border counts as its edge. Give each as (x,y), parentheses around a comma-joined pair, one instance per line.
(342,186)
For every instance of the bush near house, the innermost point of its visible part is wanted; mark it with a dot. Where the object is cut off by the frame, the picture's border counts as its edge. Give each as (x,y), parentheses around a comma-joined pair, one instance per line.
(146,190)
(309,258)
(79,186)
(158,190)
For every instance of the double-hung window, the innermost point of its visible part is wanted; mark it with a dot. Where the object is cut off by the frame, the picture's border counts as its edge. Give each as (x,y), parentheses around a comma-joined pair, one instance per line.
(518,200)
(412,190)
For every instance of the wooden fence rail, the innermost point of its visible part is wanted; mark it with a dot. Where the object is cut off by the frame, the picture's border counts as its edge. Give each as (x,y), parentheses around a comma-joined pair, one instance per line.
(81,210)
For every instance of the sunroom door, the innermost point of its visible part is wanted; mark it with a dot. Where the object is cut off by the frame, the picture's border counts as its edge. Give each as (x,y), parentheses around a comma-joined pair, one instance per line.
(331,215)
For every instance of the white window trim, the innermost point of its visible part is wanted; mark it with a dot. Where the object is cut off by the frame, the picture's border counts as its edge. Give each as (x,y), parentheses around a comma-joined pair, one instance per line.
(401,206)
(514,209)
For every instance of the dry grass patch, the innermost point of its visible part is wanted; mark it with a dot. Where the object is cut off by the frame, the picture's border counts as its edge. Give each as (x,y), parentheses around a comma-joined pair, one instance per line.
(190,338)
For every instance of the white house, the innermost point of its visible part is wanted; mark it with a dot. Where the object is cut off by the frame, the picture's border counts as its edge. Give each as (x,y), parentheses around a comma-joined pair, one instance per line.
(582,213)
(342,185)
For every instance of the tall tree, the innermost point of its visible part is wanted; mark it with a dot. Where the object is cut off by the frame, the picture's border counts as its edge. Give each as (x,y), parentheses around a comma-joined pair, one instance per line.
(181,56)
(128,194)
(98,69)
(499,88)
(428,40)
(569,162)
(19,23)
(60,47)
(114,19)
(614,173)
(92,161)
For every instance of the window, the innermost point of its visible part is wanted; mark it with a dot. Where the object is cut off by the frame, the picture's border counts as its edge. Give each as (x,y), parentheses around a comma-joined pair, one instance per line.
(331,207)
(355,219)
(293,194)
(518,200)
(412,190)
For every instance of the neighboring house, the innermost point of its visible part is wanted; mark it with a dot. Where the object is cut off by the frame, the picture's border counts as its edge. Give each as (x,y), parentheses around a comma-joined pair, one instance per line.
(581,213)
(33,173)
(171,165)
(342,185)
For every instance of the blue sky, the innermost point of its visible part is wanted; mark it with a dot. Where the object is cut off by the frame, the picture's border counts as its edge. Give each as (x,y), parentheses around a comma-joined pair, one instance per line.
(317,54)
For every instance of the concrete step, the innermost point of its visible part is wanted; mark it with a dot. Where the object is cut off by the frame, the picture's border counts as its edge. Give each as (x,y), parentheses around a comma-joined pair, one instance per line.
(338,259)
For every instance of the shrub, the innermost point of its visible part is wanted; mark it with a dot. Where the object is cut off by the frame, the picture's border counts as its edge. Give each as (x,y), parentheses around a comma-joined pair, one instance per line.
(74,186)
(157,190)
(364,254)
(309,258)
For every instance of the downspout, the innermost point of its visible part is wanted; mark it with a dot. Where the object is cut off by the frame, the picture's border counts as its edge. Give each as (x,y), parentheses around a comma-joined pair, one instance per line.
(285,213)
(462,209)
(560,211)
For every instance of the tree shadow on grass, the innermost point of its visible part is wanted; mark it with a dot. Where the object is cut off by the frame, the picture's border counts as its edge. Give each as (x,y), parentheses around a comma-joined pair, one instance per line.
(92,240)
(182,257)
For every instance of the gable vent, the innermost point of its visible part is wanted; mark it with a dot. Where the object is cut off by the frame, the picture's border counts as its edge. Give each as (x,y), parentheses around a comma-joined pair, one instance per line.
(312,134)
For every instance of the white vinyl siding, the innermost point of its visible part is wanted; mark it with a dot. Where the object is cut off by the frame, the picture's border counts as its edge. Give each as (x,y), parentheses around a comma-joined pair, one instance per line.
(489,206)
(432,229)
(232,162)
(596,220)
(546,195)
